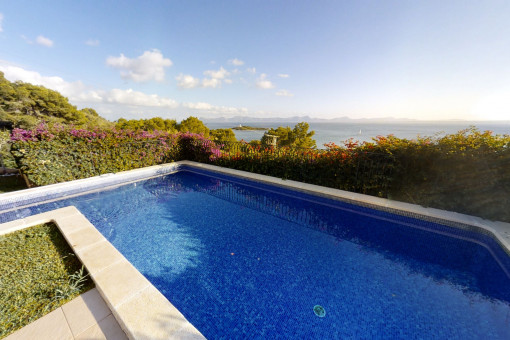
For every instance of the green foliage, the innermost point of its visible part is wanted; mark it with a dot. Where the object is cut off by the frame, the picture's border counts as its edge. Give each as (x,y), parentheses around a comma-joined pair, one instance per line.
(466,172)
(36,267)
(152,124)
(298,137)
(27,105)
(58,154)
(193,125)
(195,147)
(223,135)
(76,282)
(6,158)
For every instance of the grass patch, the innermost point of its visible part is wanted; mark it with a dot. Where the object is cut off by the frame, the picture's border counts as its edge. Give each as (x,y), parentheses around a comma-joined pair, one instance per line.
(38,273)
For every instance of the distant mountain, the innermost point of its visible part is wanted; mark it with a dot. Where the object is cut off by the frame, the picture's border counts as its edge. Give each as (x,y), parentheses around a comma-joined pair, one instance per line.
(297,119)
(236,120)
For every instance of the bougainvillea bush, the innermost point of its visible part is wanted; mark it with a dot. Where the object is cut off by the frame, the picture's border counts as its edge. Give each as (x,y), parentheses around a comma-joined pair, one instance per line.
(466,172)
(48,155)
(342,168)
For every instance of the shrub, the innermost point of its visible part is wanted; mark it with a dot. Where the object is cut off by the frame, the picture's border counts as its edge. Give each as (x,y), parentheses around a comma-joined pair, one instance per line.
(49,155)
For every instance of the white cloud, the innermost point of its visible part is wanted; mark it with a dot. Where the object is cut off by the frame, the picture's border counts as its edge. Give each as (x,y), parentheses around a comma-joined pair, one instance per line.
(149,66)
(263,83)
(283,75)
(251,70)
(236,62)
(198,106)
(207,108)
(41,40)
(219,74)
(284,93)
(130,97)
(92,42)
(1,20)
(187,81)
(212,82)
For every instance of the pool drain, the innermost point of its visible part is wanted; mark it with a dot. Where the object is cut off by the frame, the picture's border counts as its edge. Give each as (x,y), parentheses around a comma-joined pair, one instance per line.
(319,311)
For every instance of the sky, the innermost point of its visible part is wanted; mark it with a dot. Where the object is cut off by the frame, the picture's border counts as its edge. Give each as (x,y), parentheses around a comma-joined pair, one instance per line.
(426,60)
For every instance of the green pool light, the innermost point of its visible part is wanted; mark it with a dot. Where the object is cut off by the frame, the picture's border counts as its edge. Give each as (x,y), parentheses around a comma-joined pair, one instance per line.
(319,311)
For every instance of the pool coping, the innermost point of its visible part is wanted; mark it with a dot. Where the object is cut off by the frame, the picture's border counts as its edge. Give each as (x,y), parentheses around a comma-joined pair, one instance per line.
(141,310)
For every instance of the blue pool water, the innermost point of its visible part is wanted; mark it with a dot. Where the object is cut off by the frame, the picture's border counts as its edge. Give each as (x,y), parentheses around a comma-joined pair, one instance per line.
(245,260)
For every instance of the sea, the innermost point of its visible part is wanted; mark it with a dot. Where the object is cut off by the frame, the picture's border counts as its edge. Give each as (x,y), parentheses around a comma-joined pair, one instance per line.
(338,133)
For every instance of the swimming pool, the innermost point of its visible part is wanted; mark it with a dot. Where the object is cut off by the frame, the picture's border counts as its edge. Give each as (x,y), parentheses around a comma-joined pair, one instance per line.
(248,260)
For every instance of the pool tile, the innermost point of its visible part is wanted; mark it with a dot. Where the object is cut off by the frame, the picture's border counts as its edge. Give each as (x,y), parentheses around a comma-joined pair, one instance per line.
(85,311)
(50,327)
(120,282)
(108,328)
(149,315)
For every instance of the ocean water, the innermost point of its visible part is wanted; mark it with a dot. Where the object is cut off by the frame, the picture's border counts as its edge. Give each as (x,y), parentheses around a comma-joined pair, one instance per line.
(340,132)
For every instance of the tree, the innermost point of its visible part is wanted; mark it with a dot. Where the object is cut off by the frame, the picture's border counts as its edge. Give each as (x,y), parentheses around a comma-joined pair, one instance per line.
(156,123)
(194,125)
(299,137)
(223,135)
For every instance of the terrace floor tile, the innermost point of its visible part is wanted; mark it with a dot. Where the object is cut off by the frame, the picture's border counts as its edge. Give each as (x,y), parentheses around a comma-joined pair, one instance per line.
(108,328)
(51,326)
(85,311)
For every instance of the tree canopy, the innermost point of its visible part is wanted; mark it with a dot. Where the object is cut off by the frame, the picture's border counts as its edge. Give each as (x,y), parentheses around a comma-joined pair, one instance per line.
(223,135)
(156,123)
(194,125)
(298,137)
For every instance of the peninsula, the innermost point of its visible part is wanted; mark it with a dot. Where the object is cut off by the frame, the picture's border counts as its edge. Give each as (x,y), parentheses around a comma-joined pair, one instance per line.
(249,128)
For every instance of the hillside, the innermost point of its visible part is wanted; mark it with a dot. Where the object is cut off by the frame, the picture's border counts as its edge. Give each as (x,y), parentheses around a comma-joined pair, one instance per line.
(26,105)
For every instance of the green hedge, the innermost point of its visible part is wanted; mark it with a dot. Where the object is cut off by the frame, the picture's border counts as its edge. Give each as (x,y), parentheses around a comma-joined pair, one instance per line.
(52,155)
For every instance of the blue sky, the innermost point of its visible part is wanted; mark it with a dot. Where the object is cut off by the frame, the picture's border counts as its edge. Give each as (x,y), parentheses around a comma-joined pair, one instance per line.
(424,60)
